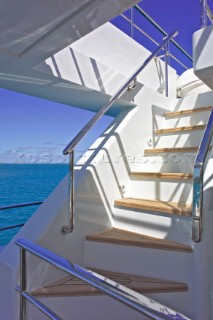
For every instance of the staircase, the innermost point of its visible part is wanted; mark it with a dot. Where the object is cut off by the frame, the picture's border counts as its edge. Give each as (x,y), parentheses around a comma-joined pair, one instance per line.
(157,266)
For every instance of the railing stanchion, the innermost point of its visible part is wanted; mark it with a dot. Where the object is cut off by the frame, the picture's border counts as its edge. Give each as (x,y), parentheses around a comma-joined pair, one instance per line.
(71,146)
(132,23)
(209,14)
(23,284)
(69,228)
(167,62)
(149,308)
(204,9)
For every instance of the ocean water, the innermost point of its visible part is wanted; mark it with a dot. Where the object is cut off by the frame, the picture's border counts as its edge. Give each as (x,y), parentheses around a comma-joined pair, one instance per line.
(21,183)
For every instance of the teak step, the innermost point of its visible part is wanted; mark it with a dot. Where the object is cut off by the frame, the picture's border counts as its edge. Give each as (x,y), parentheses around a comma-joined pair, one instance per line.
(160,175)
(71,286)
(155,205)
(171,150)
(127,238)
(181,129)
(186,112)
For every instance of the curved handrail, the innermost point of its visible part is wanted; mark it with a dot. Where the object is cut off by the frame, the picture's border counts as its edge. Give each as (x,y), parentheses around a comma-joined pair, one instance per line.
(143,13)
(198,180)
(70,147)
(130,298)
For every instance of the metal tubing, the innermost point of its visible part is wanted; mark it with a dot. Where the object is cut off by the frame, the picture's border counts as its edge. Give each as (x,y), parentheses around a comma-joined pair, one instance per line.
(203,13)
(114,98)
(130,298)
(141,11)
(12,227)
(69,228)
(198,180)
(132,23)
(210,14)
(205,142)
(167,54)
(140,30)
(39,305)
(23,284)
(70,147)
(14,206)
(155,42)
(178,61)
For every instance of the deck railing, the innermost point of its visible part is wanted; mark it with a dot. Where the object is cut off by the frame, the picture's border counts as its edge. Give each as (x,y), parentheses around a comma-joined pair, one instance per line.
(205,13)
(132,299)
(15,206)
(197,206)
(71,146)
(167,51)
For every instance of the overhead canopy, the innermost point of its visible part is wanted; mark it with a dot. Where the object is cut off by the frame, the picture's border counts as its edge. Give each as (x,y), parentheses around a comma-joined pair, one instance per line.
(31,31)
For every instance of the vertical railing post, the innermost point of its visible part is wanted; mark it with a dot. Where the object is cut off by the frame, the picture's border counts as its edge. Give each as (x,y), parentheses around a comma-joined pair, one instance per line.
(69,228)
(204,6)
(167,62)
(23,284)
(132,23)
(71,193)
(197,203)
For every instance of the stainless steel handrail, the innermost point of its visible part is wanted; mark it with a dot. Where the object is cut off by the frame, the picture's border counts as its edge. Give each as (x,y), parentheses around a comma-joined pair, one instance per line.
(210,14)
(115,97)
(70,147)
(151,39)
(130,298)
(139,29)
(13,206)
(38,304)
(156,25)
(12,227)
(203,13)
(197,207)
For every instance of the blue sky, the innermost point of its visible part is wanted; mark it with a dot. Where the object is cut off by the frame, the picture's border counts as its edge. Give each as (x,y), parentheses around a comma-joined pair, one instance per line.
(32,127)
(171,15)
(35,130)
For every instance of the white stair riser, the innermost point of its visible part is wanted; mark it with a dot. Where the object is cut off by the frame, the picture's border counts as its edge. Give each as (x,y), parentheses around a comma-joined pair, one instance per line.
(189,120)
(178,139)
(163,226)
(164,190)
(86,308)
(164,162)
(155,263)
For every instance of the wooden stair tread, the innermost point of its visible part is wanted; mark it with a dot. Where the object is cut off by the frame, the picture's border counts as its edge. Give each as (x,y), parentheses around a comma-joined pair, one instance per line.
(171,150)
(123,237)
(187,112)
(155,205)
(181,129)
(162,175)
(71,286)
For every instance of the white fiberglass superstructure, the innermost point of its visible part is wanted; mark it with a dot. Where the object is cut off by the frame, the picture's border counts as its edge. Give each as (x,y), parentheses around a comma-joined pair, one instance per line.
(134,218)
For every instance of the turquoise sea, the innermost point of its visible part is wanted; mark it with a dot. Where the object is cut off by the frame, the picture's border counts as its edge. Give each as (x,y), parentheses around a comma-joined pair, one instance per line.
(21,183)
